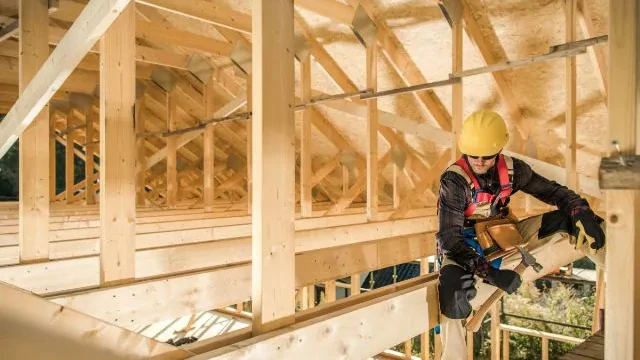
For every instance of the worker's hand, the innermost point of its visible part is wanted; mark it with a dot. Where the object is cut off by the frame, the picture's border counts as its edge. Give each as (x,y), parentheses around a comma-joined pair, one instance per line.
(507,280)
(587,230)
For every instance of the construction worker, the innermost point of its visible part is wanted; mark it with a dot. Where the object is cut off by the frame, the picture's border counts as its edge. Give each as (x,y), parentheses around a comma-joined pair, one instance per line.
(474,221)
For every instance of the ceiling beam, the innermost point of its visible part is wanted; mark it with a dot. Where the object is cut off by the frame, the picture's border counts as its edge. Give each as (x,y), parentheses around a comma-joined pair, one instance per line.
(94,20)
(406,68)
(205,11)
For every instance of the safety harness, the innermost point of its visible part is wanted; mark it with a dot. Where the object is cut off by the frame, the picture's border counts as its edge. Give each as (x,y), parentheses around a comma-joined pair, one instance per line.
(480,196)
(483,203)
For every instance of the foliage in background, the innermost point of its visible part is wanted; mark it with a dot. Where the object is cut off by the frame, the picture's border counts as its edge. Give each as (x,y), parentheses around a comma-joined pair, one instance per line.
(9,165)
(9,175)
(560,303)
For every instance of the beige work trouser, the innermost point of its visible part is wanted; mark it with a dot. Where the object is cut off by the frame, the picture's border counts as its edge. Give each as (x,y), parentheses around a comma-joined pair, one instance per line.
(551,252)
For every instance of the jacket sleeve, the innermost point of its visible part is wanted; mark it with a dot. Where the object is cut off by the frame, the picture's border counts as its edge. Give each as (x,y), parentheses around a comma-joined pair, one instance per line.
(545,190)
(452,203)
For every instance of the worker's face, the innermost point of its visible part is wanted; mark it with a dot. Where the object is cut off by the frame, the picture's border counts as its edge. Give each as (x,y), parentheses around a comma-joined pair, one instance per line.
(481,165)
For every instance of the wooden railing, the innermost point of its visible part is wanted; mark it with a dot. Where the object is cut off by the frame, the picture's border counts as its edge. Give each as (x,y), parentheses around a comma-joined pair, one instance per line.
(545,336)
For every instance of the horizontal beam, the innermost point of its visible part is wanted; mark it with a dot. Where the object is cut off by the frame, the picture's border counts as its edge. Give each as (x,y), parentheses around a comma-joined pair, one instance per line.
(9,30)
(184,139)
(329,315)
(154,229)
(555,52)
(351,332)
(206,11)
(151,301)
(63,333)
(192,250)
(147,302)
(331,9)
(541,334)
(586,184)
(94,20)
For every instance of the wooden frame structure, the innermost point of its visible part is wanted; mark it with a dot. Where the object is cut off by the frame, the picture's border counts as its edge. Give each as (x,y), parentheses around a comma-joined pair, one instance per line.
(200,193)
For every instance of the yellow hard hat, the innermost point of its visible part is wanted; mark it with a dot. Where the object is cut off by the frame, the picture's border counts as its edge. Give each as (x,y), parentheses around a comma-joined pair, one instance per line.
(484,133)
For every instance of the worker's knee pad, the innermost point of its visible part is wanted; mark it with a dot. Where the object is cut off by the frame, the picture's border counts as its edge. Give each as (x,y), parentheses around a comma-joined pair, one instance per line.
(455,291)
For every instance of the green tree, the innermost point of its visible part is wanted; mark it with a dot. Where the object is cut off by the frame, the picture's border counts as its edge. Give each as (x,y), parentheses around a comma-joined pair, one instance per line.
(559,303)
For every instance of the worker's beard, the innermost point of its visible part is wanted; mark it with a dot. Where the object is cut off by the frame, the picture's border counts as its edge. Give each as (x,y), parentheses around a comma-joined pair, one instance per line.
(481,170)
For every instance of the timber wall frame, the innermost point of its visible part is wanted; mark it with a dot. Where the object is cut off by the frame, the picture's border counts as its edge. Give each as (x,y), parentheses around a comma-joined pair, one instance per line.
(181,212)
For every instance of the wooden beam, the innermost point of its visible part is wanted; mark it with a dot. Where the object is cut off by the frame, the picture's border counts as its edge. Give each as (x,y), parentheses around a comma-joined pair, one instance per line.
(172,151)
(356,189)
(406,68)
(332,263)
(333,334)
(305,140)
(163,34)
(387,119)
(94,20)
(475,34)
(34,142)
(329,8)
(622,293)
(89,164)
(184,139)
(372,132)
(596,53)
(117,149)
(63,333)
(69,166)
(9,30)
(140,152)
(586,184)
(455,11)
(421,187)
(570,10)
(273,165)
(424,337)
(555,52)
(206,11)
(209,150)
(215,289)
(52,159)
(495,332)
(323,58)
(250,147)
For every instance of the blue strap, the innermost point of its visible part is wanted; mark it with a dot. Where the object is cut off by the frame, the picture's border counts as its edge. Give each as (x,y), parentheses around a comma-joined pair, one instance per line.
(470,238)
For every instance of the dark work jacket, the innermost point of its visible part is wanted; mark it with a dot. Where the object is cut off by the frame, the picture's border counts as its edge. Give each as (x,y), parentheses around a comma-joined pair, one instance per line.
(455,195)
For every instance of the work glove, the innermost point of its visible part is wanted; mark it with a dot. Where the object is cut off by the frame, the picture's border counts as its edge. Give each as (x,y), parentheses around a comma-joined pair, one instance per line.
(587,230)
(507,280)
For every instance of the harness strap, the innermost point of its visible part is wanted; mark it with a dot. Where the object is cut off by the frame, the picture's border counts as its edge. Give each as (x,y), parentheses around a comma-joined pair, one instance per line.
(505,175)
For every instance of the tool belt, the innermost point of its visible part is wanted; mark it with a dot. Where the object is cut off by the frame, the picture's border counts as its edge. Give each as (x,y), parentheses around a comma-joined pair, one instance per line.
(498,234)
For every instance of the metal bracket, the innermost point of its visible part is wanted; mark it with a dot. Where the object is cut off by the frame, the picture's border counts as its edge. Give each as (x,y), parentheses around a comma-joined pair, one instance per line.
(141,89)
(300,45)
(399,157)
(163,78)
(241,57)
(81,101)
(363,27)
(200,67)
(348,159)
(235,162)
(451,10)
(60,105)
(620,173)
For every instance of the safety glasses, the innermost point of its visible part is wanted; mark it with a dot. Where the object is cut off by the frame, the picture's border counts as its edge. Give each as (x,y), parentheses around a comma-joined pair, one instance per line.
(482,157)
